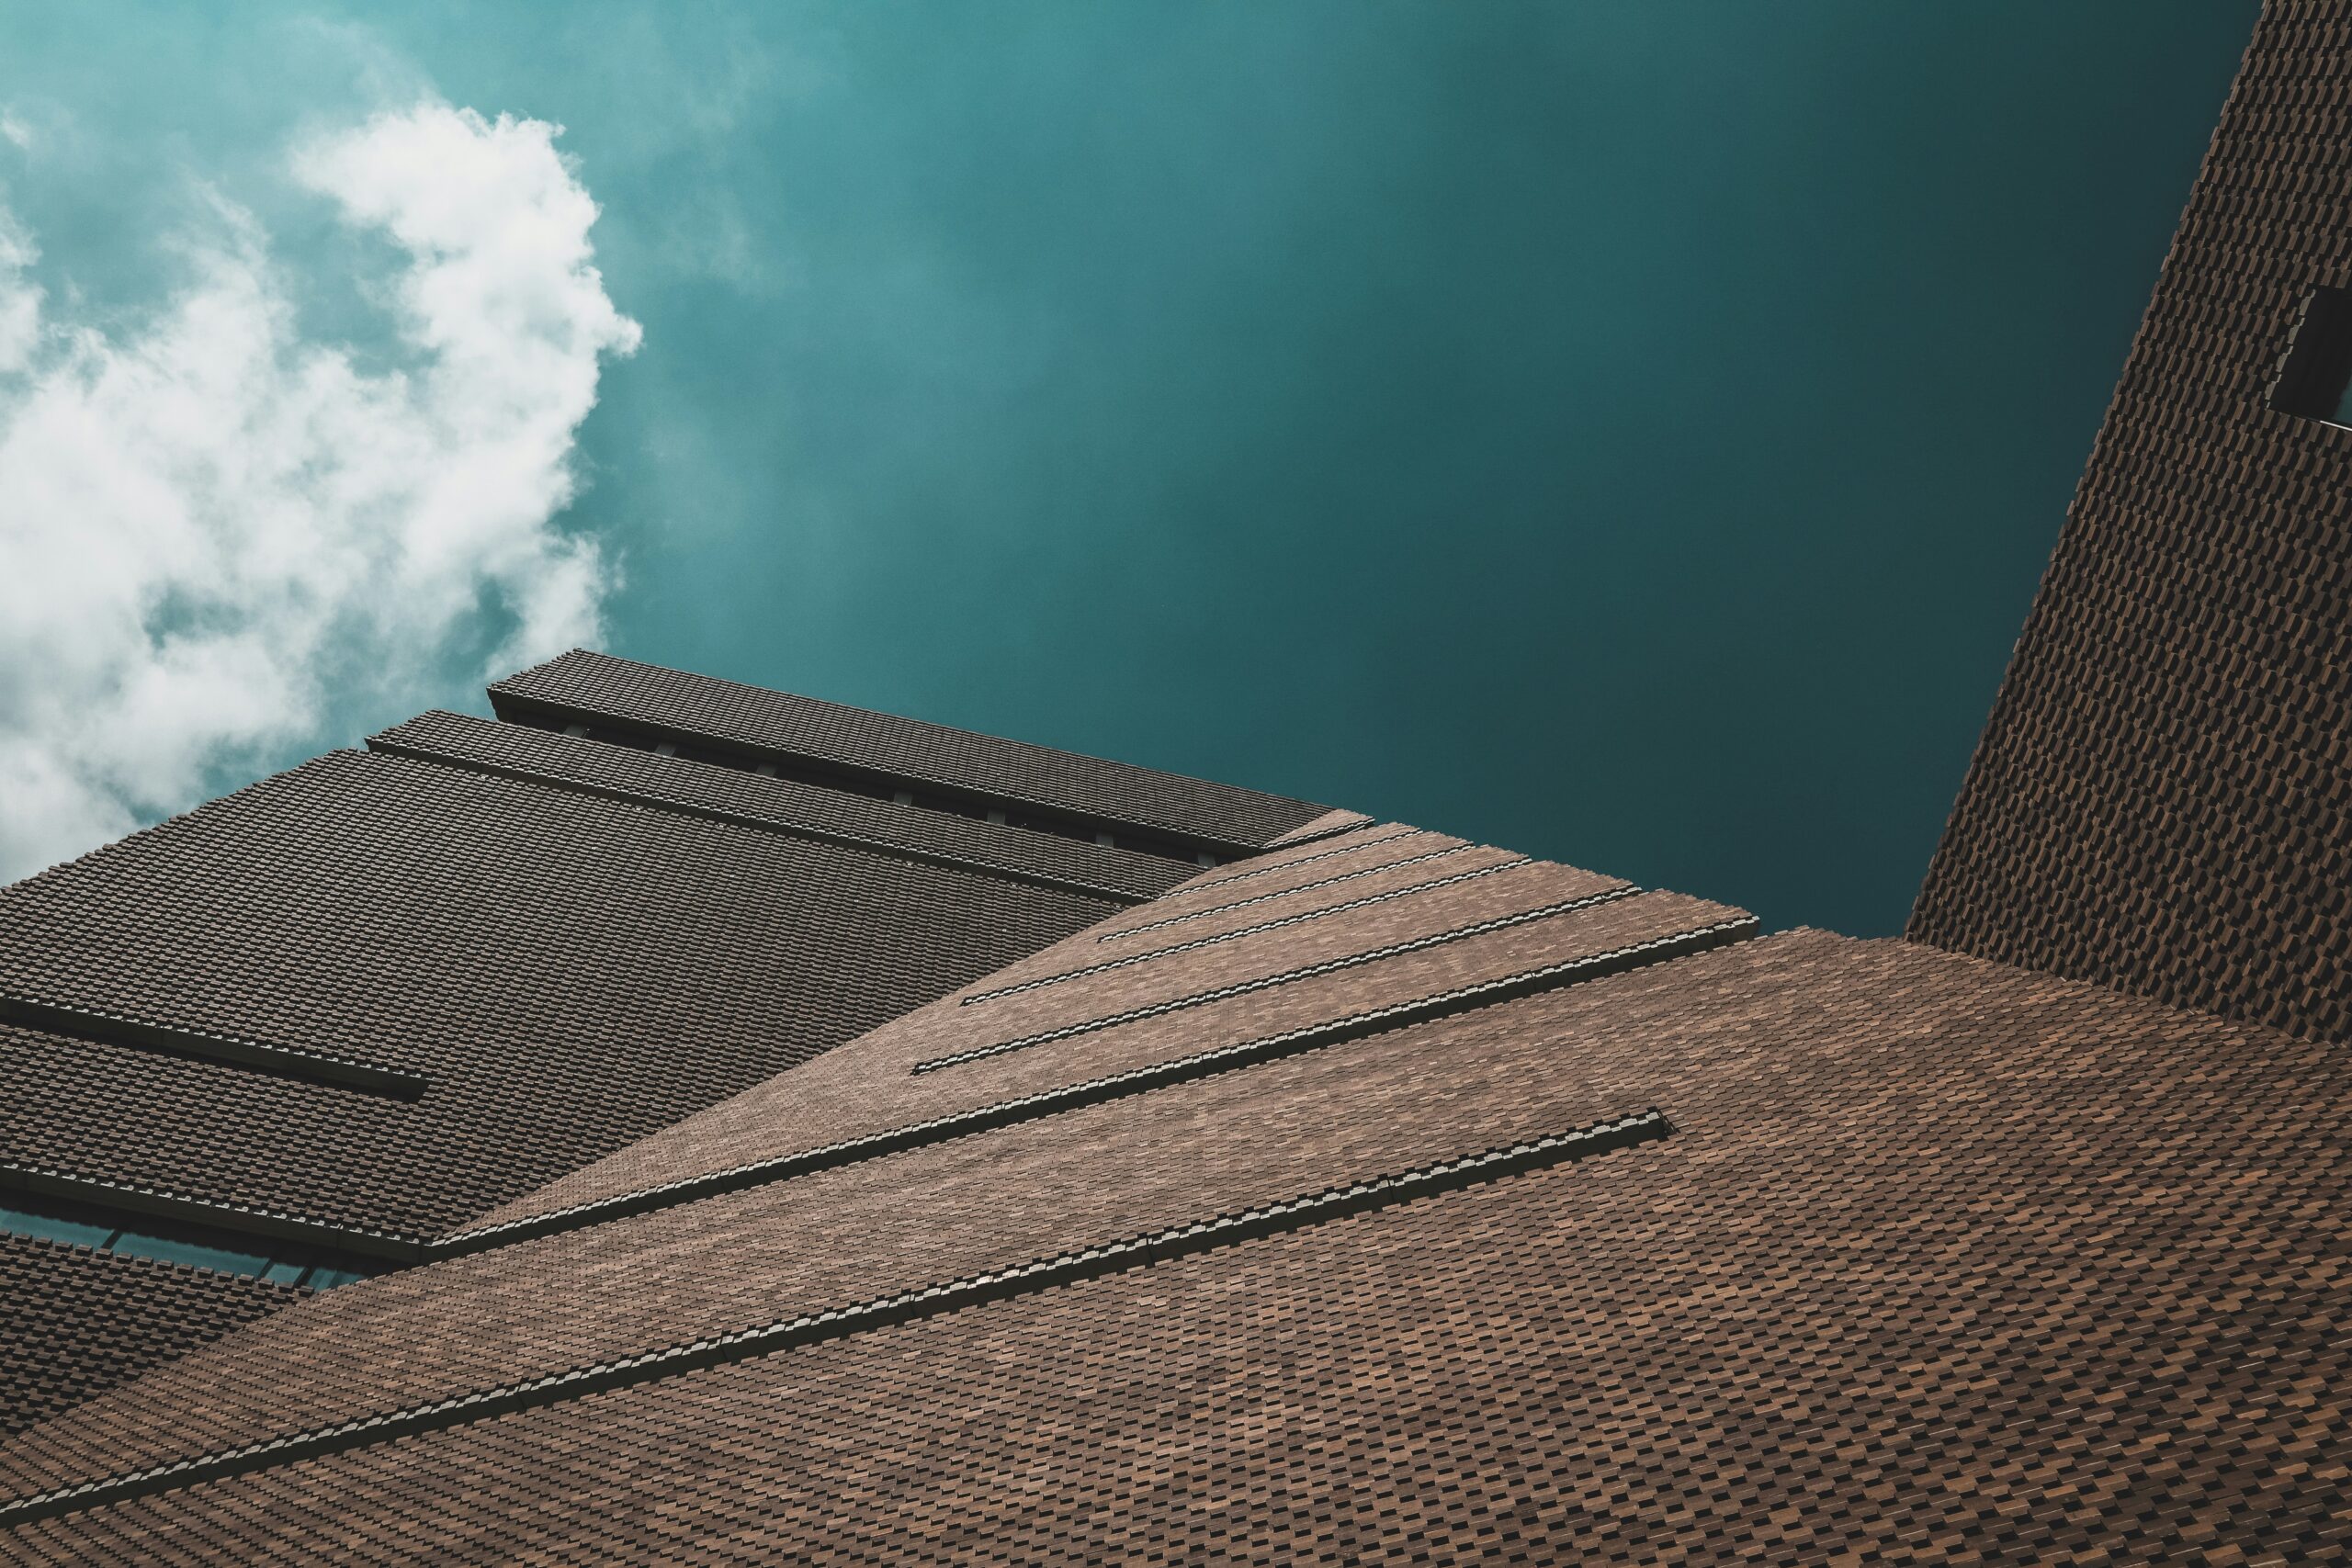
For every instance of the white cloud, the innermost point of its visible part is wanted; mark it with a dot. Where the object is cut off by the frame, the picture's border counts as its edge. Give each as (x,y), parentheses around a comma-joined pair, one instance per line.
(213,530)
(15,130)
(21,297)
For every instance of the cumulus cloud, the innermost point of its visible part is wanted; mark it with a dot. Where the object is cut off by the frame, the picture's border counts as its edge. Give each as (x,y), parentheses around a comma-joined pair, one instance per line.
(215,530)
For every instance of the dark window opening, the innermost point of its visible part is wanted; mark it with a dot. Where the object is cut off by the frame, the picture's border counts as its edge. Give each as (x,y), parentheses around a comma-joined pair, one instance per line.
(170,1241)
(2314,379)
(976,809)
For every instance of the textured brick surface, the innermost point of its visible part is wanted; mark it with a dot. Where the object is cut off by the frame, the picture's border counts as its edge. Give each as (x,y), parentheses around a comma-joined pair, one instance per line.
(1942,1262)
(596,685)
(2163,799)
(121,1314)
(1204,907)
(1281,861)
(1083,1179)
(573,944)
(870,1085)
(1354,934)
(1330,824)
(1220,926)
(542,756)
(571,973)
(1091,1177)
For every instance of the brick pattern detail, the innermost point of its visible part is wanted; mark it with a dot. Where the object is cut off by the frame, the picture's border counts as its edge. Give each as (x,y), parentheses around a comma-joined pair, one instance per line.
(2161,802)
(1484,866)
(569,973)
(1942,1262)
(74,1321)
(1288,887)
(593,685)
(1274,862)
(816,1327)
(871,1085)
(1095,1175)
(1330,825)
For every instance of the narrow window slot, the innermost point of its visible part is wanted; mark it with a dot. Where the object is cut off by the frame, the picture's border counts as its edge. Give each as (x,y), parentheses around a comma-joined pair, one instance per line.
(2314,378)
(280,1061)
(163,1240)
(977,809)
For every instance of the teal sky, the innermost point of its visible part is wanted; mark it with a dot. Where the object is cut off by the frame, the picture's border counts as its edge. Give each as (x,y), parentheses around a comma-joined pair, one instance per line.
(1629,433)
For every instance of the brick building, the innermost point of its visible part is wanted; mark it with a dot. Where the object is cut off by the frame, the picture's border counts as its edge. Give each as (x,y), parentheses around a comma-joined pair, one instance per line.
(678,1121)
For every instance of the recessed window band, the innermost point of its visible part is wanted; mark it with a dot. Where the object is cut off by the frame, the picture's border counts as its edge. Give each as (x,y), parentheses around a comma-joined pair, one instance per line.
(1713,935)
(1130,960)
(284,1061)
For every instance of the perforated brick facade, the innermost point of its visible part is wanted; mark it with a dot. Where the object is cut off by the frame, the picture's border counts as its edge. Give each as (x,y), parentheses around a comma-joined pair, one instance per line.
(363,1002)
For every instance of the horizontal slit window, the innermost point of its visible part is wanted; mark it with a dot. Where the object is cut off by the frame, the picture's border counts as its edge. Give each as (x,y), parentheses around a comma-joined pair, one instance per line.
(71,1232)
(161,1240)
(280,1061)
(976,807)
(164,1249)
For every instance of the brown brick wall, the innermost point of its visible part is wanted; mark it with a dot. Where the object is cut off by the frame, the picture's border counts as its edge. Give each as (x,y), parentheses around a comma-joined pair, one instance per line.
(1942,1262)
(567,973)
(74,1321)
(870,1085)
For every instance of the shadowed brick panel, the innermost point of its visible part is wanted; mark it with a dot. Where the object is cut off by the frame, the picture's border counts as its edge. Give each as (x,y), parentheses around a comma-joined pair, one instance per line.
(2161,802)
(592,685)
(74,1321)
(570,974)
